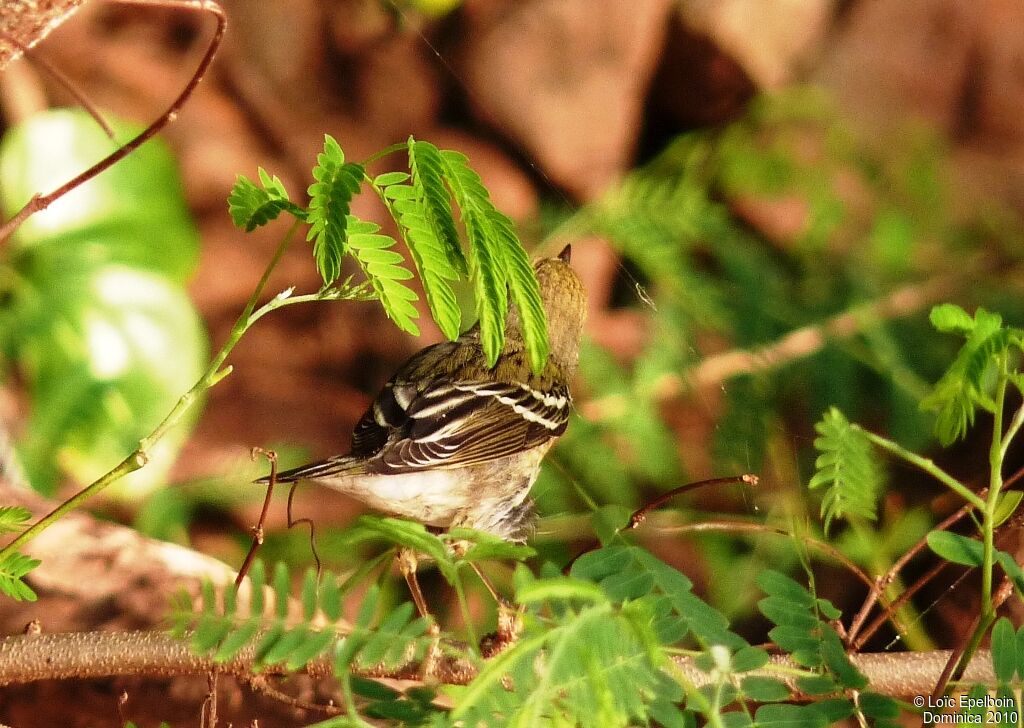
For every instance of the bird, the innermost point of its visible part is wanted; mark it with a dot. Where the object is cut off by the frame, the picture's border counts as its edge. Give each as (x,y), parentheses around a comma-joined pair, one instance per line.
(452,442)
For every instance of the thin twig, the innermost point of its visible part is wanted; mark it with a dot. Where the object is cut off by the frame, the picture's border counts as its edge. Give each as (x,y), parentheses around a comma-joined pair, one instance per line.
(40,202)
(257,531)
(954,667)
(747,527)
(905,596)
(883,582)
(640,515)
(213,374)
(62,79)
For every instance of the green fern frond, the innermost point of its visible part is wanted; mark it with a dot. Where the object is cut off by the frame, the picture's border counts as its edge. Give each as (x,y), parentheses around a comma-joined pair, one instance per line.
(967,383)
(803,629)
(571,674)
(497,264)
(224,629)
(337,181)
(423,212)
(251,207)
(847,468)
(384,271)
(12,572)
(523,287)
(13,518)
(627,573)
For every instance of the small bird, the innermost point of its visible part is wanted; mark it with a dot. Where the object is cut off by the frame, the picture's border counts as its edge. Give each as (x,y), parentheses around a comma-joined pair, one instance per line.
(450,441)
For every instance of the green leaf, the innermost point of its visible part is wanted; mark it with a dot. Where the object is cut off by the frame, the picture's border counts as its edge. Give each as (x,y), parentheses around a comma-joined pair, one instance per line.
(879,707)
(1012,569)
(13,518)
(487,547)
(13,569)
(498,264)
(1020,651)
(790,716)
(847,468)
(764,689)
(251,207)
(106,352)
(390,178)
(95,316)
(951,319)
(133,214)
(408,534)
(425,215)
(1004,650)
(310,593)
(964,387)
(1007,506)
(560,589)
(381,265)
(524,289)
(337,182)
(956,548)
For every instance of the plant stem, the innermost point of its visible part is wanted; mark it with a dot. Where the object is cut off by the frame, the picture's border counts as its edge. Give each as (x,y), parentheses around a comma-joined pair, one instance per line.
(140,456)
(927,465)
(995,487)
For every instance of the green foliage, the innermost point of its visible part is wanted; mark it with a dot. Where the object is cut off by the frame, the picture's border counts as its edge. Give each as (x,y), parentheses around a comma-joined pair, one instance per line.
(13,568)
(847,468)
(13,518)
(421,203)
(425,213)
(223,630)
(970,552)
(969,382)
(252,206)
(499,265)
(382,268)
(337,182)
(801,629)
(96,318)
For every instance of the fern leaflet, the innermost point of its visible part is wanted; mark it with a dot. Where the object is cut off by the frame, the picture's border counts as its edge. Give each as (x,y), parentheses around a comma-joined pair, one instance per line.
(224,631)
(802,630)
(847,468)
(424,213)
(12,572)
(496,264)
(384,271)
(251,207)
(967,383)
(337,181)
(13,518)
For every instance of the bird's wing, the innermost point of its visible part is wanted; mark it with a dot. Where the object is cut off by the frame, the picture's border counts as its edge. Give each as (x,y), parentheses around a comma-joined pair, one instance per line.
(435,414)
(459,423)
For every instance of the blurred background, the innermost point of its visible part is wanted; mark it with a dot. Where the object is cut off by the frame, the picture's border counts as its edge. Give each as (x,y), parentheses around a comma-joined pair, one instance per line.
(765,198)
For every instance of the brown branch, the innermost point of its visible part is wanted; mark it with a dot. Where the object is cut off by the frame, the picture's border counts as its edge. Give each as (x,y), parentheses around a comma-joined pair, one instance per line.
(797,344)
(40,202)
(883,582)
(84,655)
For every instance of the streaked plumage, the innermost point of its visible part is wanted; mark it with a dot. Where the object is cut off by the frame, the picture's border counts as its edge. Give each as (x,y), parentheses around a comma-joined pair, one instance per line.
(449,442)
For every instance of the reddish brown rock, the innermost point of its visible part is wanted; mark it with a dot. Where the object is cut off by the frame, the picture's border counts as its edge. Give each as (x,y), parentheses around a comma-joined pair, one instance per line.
(565,80)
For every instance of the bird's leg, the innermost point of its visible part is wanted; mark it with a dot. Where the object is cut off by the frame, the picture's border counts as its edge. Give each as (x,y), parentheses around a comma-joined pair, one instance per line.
(510,616)
(488,584)
(407,563)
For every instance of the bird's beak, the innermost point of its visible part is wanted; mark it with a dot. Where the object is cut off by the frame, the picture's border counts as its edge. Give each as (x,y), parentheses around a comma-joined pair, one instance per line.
(566,254)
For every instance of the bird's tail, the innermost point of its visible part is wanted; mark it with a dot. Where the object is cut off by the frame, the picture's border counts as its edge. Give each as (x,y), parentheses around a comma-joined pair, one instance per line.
(332,467)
